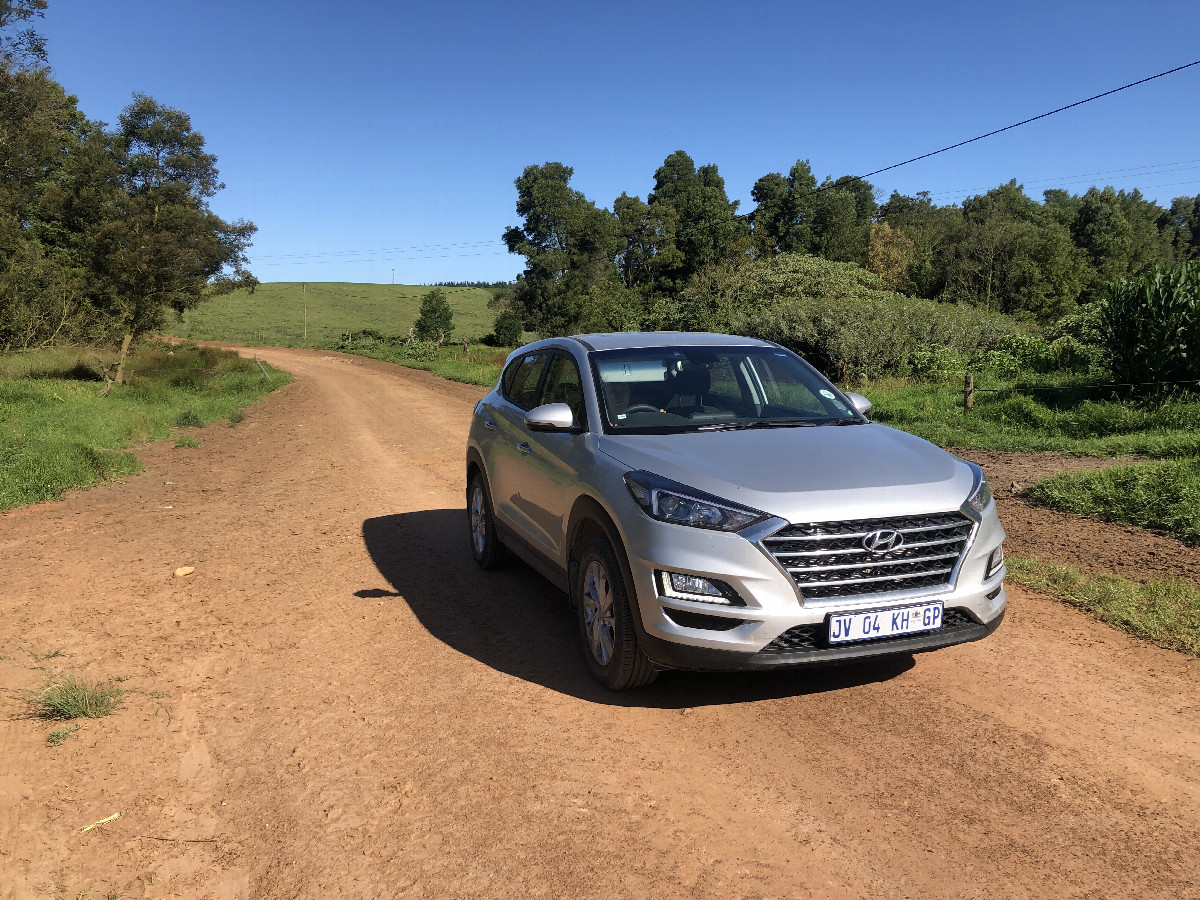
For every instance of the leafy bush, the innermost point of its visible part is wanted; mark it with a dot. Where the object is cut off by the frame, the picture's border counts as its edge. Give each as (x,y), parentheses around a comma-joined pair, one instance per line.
(419,350)
(508,330)
(436,318)
(837,314)
(1151,325)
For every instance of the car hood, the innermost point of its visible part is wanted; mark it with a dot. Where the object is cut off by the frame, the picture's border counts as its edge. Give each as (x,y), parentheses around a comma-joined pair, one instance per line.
(806,474)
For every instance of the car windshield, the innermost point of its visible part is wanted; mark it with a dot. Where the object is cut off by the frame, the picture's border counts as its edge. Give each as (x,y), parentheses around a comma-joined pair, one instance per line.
(679,389)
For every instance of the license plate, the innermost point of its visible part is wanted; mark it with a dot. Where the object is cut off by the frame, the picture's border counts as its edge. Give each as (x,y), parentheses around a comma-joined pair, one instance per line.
(881,623)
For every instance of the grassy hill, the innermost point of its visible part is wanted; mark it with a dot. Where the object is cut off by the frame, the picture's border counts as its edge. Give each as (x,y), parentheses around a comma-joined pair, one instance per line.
(274,314)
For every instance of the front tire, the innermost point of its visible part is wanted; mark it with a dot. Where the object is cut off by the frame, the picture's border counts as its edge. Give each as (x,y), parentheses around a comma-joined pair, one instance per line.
(486,549)
(606,626)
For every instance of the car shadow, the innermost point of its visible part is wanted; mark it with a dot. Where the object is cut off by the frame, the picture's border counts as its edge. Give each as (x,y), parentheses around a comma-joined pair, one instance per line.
(518,623)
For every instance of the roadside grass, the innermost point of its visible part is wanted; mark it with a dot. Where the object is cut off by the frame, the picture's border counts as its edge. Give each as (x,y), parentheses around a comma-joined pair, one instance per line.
(275,313)
(1166,613)
(482,368)
(67,696)
(1164,496)
(58,433)
(1067,420)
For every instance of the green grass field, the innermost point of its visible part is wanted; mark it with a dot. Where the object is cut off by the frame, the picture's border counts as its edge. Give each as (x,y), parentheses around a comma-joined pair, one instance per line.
(275,313)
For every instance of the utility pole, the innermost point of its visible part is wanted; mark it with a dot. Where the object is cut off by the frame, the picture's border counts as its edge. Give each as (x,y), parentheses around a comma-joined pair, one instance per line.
(304,294)
(393,276)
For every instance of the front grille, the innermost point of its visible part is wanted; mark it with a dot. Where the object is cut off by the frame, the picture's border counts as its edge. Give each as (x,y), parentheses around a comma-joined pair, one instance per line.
(828,559)
(805,638)
(802,637)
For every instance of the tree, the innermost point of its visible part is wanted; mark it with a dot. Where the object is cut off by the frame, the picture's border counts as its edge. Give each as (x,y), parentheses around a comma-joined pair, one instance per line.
(161,247)
(435,320)
(783,218)
(1181,228)
(932,230)
(650,251)
(24,49)
(889,255)
(508,329)
(55,165)
(569,246)
(1012,256)
(841,219)
(708,229)
(1119,234)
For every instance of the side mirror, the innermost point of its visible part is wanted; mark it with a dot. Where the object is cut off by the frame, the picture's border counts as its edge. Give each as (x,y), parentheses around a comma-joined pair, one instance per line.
(861,403)
(550,417)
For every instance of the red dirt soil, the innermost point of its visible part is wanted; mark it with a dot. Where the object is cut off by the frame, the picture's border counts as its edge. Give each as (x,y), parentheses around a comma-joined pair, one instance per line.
(337,703)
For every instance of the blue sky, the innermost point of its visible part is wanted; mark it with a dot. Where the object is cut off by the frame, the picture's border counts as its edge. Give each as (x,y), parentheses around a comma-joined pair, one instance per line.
(368,136)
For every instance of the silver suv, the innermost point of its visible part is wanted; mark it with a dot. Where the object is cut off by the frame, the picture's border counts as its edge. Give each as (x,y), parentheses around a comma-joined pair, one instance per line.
(713,502)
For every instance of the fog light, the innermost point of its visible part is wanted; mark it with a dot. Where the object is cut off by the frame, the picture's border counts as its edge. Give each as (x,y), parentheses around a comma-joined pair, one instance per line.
(995,562)
(693,587)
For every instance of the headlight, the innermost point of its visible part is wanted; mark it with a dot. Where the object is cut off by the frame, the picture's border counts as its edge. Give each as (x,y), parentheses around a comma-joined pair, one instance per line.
(981,496)
(669,501)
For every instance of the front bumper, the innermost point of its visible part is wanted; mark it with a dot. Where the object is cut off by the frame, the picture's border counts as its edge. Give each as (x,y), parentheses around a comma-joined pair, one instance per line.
(673,655)
(777,627)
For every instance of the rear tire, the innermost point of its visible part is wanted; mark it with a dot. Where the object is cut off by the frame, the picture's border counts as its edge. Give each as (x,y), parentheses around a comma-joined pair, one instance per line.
(486,549)
(606,626)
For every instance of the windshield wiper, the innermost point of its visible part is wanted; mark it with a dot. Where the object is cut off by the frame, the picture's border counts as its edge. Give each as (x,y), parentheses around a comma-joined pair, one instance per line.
(844,422)
(762,423)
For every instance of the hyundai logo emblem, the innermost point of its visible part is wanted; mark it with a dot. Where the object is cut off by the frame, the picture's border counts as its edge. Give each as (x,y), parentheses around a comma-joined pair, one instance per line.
(883,541)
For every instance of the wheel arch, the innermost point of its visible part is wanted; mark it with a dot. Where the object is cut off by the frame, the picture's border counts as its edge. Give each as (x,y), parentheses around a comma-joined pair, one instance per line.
(587,512)
(475,465)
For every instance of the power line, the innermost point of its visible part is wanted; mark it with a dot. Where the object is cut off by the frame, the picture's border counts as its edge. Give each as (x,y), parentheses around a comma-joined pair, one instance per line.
(370,260)
(1032,119)
(378,250)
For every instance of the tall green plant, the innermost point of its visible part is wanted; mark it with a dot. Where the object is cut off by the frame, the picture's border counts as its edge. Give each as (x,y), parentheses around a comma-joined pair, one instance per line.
(1151,325)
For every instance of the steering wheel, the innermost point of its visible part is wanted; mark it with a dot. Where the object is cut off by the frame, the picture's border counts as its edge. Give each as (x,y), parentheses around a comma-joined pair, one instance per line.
(641,407)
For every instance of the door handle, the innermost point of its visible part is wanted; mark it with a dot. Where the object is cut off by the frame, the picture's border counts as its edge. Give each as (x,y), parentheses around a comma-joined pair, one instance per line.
(489,424)
(524,448)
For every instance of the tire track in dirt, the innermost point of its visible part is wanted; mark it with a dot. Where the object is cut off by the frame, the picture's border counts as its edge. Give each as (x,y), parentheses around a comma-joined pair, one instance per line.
(337,703)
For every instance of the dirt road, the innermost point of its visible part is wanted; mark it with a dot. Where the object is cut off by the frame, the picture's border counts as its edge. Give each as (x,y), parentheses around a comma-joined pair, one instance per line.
(336,703)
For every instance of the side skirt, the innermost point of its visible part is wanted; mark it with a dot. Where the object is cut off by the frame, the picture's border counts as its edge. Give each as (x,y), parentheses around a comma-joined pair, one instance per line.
(537,560)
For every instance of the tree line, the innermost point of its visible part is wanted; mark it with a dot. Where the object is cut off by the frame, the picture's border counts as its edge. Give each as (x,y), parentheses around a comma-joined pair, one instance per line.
(1002,251)
(103,230)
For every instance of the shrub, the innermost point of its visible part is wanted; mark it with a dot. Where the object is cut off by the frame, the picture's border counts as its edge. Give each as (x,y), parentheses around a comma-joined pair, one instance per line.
(508,330)
(837,314)
(74,697)
(1151,325)
(435,318)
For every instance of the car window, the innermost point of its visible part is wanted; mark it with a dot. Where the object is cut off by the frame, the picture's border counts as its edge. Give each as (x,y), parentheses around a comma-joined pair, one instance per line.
(783,388)
(664,390)
(521,388)
(563,385)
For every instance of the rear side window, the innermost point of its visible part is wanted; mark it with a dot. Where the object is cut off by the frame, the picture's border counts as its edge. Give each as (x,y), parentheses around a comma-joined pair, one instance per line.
(521,380)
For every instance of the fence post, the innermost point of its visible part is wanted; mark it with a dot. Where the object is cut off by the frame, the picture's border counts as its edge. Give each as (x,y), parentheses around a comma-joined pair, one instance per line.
(968,392)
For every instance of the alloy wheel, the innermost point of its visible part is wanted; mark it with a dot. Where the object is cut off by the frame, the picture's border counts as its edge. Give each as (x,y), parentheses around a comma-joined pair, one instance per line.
(599,619)
(478,521)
